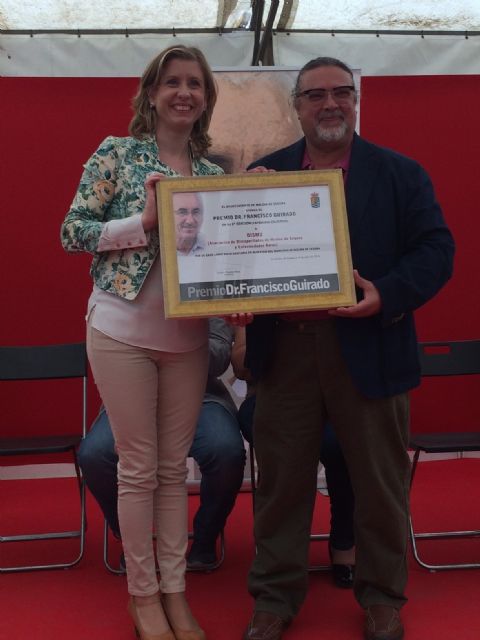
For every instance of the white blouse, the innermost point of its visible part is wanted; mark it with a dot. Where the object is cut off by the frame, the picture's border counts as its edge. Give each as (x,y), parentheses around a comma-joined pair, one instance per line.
(141,322)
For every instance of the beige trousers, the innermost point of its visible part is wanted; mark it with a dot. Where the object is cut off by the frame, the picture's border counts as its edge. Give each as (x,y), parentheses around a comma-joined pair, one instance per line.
(152,399)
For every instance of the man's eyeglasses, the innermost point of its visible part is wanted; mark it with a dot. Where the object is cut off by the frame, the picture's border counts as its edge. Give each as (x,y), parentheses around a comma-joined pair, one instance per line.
(339,94)
(183,213)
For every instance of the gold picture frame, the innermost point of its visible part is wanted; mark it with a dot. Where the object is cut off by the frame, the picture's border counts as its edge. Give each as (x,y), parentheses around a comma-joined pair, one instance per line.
(263,242)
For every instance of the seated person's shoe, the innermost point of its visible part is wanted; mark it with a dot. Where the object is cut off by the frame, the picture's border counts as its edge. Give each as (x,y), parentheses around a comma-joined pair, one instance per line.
(202,557)
(342,572)
(265,626)
(382,622)
(343,575)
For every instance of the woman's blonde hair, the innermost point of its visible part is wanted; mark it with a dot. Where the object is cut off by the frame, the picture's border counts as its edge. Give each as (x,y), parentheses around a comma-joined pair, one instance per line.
(144,120)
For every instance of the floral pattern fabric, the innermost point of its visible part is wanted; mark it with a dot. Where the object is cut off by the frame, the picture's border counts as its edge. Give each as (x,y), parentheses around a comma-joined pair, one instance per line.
(112,187)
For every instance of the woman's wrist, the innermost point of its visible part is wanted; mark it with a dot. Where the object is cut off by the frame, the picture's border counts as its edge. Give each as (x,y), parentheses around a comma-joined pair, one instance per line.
(149,222)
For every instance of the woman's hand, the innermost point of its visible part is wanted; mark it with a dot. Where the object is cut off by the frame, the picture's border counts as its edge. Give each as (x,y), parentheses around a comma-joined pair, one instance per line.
(149,215)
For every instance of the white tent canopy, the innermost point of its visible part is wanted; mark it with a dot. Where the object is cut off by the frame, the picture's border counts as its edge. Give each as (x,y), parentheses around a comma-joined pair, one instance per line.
(443,15)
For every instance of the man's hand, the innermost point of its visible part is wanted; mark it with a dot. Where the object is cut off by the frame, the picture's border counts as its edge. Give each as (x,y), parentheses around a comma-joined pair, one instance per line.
(369,306)
(260,170)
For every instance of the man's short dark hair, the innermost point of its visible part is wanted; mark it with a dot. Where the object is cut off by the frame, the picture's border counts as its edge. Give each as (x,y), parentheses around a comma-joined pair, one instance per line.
(322,61)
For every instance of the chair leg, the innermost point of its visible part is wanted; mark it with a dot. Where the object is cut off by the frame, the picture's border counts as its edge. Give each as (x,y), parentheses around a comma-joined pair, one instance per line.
(79,533)
(106,534)
(222,549)
(253,480)
(315,537)
(436,534)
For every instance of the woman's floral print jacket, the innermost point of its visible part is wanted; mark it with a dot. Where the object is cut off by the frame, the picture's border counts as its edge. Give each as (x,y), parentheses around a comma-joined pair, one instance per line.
(112,188)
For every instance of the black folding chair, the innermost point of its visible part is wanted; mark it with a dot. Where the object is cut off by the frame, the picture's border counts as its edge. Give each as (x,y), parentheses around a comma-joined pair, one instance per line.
(460,358)
(34,365)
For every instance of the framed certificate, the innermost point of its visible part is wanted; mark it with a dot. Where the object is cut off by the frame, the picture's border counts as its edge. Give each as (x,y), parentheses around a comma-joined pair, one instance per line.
(254,242)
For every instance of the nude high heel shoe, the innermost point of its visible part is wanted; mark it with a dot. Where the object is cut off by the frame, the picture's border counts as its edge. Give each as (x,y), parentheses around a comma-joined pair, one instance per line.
(185,634)
(191,634)
(141,634)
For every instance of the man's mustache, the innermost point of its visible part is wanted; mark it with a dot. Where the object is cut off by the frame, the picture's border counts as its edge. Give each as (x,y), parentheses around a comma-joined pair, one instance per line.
(329,114)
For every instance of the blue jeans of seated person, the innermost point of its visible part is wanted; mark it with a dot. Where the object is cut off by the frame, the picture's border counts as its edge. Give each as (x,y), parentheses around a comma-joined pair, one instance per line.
(340,490)
(217,448)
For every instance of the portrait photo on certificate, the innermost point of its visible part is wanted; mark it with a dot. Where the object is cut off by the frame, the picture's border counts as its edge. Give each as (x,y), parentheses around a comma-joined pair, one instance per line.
(254,242)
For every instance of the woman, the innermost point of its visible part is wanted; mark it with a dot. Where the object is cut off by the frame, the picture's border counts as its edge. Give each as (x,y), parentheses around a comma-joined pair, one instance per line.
(150,371)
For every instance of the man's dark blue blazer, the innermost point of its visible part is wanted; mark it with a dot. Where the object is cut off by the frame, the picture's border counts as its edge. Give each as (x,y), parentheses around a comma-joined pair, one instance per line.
(400,242)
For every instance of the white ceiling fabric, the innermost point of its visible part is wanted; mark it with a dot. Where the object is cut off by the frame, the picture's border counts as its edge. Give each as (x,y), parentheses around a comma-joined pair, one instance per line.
(110,14)
(197,14)
(389,14)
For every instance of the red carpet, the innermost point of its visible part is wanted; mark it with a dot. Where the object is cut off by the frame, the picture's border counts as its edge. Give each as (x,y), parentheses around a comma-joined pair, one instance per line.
(87,602)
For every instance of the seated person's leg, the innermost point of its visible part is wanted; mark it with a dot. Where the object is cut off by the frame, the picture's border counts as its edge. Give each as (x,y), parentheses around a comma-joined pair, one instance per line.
(245,417)
(219,451)
(341,543)
(98,462)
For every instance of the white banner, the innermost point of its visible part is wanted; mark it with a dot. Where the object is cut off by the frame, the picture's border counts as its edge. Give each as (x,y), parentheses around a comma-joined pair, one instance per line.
(115,55)
(384,55)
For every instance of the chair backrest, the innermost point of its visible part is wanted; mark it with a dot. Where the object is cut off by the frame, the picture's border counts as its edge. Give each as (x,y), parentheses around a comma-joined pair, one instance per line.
(452,358)
(450,375)
(43,362)
(25,365)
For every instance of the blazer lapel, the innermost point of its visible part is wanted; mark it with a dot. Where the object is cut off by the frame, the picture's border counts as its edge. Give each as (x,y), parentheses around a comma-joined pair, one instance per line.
(298,151)
(362,173)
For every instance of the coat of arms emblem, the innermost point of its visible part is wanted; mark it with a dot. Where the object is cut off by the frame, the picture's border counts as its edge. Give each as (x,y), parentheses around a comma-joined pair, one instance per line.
(315,200)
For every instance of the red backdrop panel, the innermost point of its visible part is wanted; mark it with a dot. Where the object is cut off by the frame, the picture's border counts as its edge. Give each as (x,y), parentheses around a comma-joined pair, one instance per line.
(49,127)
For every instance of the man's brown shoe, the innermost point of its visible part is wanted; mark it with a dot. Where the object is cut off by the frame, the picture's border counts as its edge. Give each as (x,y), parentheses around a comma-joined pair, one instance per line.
(265,626)
(383,622)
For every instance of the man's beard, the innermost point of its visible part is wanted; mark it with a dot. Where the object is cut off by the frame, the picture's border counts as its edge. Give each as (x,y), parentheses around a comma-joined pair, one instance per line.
(331,134)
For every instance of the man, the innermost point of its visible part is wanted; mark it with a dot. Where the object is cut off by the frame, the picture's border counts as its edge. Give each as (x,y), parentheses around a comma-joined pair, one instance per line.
(353,366)
(217,448)
(188,212)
